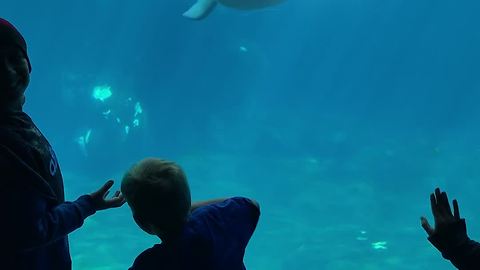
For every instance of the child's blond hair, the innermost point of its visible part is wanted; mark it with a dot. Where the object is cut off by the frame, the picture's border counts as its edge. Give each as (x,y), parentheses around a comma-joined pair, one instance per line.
(158,193)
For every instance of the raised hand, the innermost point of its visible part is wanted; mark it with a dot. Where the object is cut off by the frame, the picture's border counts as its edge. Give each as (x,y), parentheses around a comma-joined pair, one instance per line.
(442,213)
(100,197)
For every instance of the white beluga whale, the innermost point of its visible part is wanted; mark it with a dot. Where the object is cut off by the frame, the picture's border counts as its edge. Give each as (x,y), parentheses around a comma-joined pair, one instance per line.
(202,8)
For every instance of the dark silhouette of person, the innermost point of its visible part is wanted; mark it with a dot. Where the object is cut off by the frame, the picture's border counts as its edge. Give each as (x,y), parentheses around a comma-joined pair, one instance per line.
(35,218)
(204,235)
(449,235)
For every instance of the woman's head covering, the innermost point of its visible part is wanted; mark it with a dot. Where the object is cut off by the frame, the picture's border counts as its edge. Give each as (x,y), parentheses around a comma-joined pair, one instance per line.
(10,38)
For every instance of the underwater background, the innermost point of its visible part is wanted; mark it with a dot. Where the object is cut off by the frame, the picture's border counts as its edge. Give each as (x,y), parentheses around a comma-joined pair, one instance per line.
(339,117)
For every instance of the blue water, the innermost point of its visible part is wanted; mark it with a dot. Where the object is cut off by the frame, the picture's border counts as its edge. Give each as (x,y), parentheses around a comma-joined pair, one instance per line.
(339,117)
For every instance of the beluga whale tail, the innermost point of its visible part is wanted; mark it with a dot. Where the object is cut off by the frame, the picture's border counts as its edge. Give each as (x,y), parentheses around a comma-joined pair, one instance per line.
(202,8)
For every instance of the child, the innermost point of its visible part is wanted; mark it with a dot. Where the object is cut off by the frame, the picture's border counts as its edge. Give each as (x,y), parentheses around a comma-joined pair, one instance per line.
(205,235)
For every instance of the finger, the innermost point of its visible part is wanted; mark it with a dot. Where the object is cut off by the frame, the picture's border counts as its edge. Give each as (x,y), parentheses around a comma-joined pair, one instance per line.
(116,202)
(456,211)
(439,202)
(438,195)
(433,204)
(117,193)
(426,226)
(116,198)
(106,186)
(446,204)
(106,193)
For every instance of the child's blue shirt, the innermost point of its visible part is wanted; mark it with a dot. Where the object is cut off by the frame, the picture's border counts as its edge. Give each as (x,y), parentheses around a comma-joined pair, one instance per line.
(215,237)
